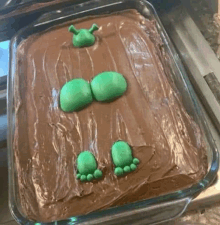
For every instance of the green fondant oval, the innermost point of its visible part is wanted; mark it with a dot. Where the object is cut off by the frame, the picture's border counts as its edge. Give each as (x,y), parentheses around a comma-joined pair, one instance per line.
(75,95)
(121,154)
(108,86)
(86,163)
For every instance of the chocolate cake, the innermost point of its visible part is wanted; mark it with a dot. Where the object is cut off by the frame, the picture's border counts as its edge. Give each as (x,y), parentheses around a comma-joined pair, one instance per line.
(149,116)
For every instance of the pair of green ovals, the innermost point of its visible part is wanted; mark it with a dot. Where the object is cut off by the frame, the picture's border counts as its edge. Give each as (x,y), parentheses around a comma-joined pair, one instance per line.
(122,158)
(78,93)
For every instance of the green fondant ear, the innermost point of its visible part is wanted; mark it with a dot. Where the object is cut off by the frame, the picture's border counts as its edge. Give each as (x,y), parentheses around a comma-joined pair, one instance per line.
(93,28)
(72,29)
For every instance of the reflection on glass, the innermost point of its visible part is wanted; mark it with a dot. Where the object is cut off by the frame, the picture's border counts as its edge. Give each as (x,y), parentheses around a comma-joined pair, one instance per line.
(4,57)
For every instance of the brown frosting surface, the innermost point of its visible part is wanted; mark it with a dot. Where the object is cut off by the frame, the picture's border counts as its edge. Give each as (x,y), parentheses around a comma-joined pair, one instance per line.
(150,116)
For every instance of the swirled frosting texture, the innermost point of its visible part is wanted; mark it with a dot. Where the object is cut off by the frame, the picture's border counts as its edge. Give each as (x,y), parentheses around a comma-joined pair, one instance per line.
(149,116)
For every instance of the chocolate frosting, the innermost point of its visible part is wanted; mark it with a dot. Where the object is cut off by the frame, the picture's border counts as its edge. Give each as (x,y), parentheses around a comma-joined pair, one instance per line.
(150,116)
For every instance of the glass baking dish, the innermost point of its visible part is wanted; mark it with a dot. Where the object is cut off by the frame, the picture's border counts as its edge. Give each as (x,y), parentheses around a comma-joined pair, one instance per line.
(148,211)
(9,5)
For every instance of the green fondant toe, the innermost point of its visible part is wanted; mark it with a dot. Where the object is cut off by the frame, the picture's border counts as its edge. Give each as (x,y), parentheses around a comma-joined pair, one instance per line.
(119,171)
(127,169)
(98,174)
(136,161)
(122,158)
(83,178)
(89,177)
(87,166)
(133,167)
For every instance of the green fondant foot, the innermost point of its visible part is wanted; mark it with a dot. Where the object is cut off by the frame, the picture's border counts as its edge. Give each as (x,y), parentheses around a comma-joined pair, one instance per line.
(87,167)
(122,158)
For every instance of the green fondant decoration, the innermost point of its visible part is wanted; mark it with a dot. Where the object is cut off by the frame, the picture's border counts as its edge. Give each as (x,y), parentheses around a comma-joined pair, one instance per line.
(119,171)
(108,86)
(136,161)
(127,169)
(133,167)
(83,37)
(89,177)
(75,95)
(83,178)
(87,167)
(98,174)
(122,158)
